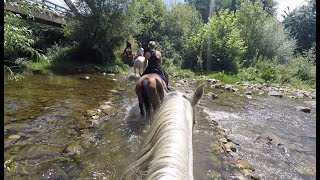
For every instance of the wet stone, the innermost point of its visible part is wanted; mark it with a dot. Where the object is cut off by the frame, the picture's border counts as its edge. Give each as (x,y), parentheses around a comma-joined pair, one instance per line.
(245,165)
(300,96)
(95,117)
(86,144)
(213,81)
(90,112)
(230,147)
(213,96)
(223,140)
(113,91)
(74,149)
(275,94)
(228,87)
(14,136)
(234,155)
(248,93)
(303,109)
(85,77)
(218,85)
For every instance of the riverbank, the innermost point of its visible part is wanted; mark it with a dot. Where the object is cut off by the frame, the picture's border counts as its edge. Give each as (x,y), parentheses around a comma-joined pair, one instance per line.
(250,76)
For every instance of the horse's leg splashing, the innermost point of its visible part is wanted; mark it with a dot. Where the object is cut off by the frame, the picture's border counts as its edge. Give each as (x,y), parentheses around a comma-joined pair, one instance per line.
(145,97)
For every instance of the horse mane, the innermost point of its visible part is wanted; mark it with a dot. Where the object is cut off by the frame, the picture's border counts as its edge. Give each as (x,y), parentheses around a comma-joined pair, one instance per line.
(167,149)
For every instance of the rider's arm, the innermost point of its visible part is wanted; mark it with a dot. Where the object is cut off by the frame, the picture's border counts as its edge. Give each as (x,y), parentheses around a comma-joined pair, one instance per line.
(158,54)
(147,56)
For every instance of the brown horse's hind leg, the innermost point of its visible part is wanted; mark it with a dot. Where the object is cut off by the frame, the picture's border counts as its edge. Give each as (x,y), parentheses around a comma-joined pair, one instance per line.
(146,95)
(141,108)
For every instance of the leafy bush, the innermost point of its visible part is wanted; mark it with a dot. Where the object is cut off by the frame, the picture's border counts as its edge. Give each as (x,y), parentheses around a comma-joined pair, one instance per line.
(59,52)
(18,38)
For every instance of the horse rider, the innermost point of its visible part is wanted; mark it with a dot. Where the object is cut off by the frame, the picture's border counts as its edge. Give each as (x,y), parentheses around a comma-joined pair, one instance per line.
(140,51)
(154,63)
(128,46)
(128,52)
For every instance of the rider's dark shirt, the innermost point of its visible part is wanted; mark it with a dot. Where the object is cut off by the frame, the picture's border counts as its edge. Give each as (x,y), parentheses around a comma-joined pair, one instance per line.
(154,66)
(153,61)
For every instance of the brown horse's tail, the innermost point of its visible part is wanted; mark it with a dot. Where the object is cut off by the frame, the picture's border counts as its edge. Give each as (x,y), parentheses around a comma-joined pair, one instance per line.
(145,94)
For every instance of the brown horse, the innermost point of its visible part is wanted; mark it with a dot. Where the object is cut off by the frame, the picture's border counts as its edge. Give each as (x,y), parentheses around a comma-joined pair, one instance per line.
(128,57)
(150,90)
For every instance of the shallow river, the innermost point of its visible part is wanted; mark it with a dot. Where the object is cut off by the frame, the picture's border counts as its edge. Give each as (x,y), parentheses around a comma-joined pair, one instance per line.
(54,129)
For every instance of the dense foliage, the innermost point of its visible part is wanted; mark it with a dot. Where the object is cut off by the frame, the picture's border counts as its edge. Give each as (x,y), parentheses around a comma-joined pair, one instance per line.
(242,37)
(217,46)
(302,25)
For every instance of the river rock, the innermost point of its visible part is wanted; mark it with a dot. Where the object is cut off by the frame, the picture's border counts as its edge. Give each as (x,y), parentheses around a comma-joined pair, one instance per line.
(213,81)
(113,91)
(74,149)
(245,165)
(228,87)
(292,97)
(95,117)
(213,96)
(82,125)
(248,93)
(105,106)
(223,140)
(85,77)
(230,147)
(275,94)
(90,113)
(218,85)
(235,90)
(114,79)
(250,174)
(16,136)
(273,139)
(104,73)
(98,111)
(234,155)
(111,74)
(86,144)
(303,109)
(249,96)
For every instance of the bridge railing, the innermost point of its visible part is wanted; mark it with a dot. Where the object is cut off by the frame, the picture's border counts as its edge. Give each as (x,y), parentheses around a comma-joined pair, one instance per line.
(56,9)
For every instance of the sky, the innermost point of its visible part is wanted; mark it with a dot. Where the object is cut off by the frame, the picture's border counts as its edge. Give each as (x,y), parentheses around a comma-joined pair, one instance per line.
(282,5)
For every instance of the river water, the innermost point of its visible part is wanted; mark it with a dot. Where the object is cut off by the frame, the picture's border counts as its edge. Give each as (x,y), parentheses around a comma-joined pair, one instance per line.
(48,132)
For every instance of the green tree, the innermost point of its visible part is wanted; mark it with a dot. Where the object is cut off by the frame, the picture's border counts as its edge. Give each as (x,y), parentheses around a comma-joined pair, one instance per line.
(182,21)
(217,45)
(151,20)
(102,26)
(203,7)
(263,34)
(301,23)
(250,20)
